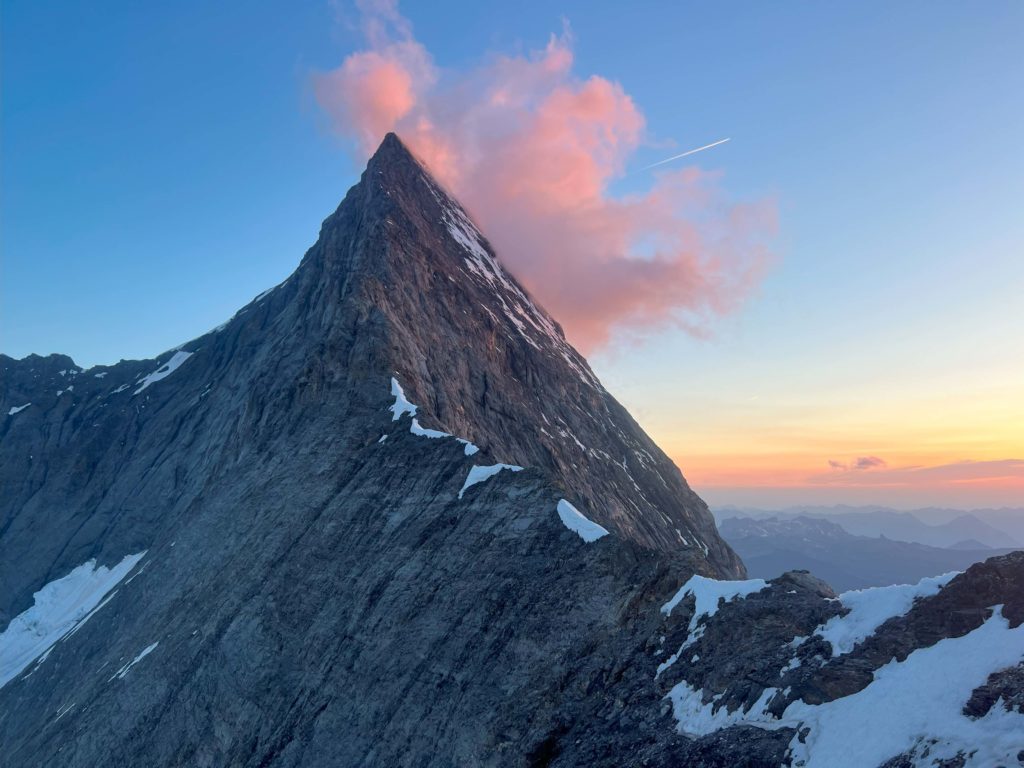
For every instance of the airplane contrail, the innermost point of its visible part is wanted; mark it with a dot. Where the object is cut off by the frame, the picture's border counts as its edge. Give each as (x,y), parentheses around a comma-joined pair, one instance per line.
(684,154)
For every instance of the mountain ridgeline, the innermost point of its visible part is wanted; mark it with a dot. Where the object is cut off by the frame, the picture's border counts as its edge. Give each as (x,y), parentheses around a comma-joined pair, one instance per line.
(387,515)
(770,546)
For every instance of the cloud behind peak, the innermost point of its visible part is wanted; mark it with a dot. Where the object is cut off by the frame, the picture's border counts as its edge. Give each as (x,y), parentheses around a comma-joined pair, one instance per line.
(531,148)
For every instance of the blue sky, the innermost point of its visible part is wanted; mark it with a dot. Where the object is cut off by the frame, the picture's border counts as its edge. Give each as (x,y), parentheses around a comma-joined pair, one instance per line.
(162,164)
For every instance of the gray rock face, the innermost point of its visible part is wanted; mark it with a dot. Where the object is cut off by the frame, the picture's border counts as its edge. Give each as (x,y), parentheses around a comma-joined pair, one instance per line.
(318,584)
(318,591)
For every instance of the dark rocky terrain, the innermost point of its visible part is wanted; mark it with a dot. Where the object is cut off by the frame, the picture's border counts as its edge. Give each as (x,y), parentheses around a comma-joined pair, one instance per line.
(302,575)
(770,546)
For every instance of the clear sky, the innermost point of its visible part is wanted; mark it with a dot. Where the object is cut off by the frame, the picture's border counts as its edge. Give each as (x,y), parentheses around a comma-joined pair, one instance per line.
(164,163)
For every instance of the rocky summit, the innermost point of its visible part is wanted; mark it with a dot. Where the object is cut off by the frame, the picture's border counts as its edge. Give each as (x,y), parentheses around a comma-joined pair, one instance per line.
(386,515)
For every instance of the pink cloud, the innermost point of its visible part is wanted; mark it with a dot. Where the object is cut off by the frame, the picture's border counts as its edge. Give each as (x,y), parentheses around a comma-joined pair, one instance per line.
(868,462)
(531,149)
(1001,471)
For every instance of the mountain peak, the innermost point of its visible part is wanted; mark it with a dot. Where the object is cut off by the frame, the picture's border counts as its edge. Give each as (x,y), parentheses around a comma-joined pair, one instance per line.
(395,161)
(485,361)
(392,148)
(403,285)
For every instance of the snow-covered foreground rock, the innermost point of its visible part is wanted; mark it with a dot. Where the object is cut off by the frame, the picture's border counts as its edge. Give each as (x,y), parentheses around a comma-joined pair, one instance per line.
(875,684)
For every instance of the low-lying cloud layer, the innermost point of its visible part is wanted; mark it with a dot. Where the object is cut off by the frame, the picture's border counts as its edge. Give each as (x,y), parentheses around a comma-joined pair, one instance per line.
(531,148)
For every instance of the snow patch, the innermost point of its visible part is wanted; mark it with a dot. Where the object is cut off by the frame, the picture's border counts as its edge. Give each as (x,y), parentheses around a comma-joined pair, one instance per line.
(790,666)
(576,522)
(60,607)
(911,703)
(402,406)
(479,474)
(64,709)
(699,719)
(164,370)
(870,608)
(420,431)
(142,654)
(18,409)
(708,593)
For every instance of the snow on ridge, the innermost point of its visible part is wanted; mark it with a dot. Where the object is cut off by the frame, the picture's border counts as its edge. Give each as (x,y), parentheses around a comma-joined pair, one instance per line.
(402,406)
(578,523)
(18,409)
(872,607)
(416,429)
(708,593)
(164,370)
(479,474)
(127,667)
(482,264)
(59,609)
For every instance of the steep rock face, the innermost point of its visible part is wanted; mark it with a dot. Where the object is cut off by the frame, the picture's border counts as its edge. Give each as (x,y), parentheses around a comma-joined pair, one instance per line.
(315,585)
(399,283)
(484,360)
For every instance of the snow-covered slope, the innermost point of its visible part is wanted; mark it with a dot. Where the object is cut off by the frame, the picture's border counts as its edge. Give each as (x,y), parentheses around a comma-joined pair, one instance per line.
(884,679)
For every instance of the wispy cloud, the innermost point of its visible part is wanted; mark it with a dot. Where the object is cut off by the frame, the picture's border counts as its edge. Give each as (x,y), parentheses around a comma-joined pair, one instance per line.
(961,472)
(868,462)
(861,463)
(531,147)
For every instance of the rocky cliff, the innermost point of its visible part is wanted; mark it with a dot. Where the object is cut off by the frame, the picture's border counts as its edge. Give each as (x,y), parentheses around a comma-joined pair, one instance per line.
(387,515)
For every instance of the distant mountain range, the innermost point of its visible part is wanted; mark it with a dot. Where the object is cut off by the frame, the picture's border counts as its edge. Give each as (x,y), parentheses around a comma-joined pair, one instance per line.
(772,546)
(958,529)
